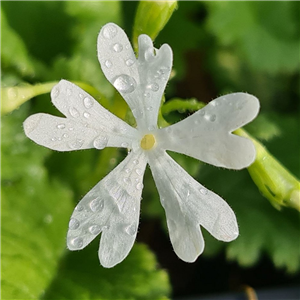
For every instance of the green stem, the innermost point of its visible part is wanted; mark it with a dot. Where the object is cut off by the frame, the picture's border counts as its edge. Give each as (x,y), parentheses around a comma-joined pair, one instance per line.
(13,97)
(274,181)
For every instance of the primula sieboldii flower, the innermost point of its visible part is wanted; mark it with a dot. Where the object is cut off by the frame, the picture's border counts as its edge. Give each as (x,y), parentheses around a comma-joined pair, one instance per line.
(113,205)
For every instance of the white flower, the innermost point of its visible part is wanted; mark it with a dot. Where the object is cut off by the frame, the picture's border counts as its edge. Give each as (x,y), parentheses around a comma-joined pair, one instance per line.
(113,205)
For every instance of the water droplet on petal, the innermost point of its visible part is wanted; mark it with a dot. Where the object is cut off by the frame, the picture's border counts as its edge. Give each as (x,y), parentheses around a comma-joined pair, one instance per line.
(131,229)
(202,112)
(147,95)
(88,102)
(129,62)
(117,47)
(65,136)
(97,205)
(124,84)
(80,95)
(109,31)
(127,180)
(86,115)
(169,129)
(73,224)
(61,126)
(55,92)
(69,92)
(135,162)
(154,87)
(79,207)
(108,64)
(203,191)
(138,171)
(74,112)
(100,142)
(95,229)
(212,118)
(127,171)
(239,105)
(77,242)
(139,186)
(124,144)
(149,108)
(77,144)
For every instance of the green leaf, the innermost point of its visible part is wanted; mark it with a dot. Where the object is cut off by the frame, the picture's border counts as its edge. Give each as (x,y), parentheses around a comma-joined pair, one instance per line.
(265,45)
(14,53)
(137,277)
(34,209)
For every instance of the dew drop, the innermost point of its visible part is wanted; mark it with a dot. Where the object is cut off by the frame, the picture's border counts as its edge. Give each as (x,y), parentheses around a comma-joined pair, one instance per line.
(73,224)
(135,162)
(124,84)
(131,229)
(127,180)
(109,31)
(149,108)
(86,115)
(123,130)
(169,129)
(108,64)
(202,112)
(129,62)
(154,87)
(138,171)
(124,144)
(74,112)
(117,47)
(96,205)
(77,144)
(77,242)
(79,207)
(95,229)
(147,95)
(212,118)
(71,128)
(61,126)
(203,191)
(239,105)
(127,171)
(53,139)
(69,92)
(139,186)
(55,92)
(88,102)
(80,95)
(65,136)
(100,142)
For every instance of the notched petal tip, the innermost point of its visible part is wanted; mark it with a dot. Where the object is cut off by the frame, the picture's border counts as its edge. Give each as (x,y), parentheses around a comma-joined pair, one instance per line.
(31,123)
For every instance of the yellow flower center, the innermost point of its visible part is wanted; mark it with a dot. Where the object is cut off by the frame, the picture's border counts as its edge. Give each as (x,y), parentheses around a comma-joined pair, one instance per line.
(148,141)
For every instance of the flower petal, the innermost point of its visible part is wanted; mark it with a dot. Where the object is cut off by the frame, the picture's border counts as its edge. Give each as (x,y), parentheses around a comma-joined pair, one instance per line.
(188,204)
(140,81)
(88,124)
(206,135)
(111,207)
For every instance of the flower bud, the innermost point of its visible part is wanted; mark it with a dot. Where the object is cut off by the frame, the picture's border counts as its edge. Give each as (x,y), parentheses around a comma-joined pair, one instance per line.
(151,17)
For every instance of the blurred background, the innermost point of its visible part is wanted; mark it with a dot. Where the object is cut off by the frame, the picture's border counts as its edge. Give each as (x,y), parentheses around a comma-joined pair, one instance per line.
(219,48)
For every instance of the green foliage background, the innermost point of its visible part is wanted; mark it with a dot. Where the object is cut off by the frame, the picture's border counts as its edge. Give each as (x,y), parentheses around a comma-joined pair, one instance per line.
(219,47)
